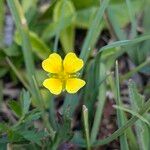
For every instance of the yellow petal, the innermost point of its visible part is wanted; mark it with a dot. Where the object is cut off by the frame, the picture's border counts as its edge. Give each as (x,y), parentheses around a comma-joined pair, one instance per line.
(53,85)
(74,84)
(72,63)
(53,63)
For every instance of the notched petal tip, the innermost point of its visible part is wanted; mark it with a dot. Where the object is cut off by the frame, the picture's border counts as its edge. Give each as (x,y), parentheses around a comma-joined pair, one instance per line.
(74,84)
(53,63)
(72,63)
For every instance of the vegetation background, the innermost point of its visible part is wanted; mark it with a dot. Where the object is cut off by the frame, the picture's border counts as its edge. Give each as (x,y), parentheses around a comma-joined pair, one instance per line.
(111,111)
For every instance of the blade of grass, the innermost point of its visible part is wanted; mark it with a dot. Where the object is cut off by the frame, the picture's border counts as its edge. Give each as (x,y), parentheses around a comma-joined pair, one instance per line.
(120,114)
(56,42)
(44,115)
(130,134)
(21,24)
(1,93)
(16,71)
(133,113)
(86,126)
(2,16)
(93,32)
(121,130)
(119,34)
(141,129)
(135,70)
(124,43)
(132,18)
(101,102)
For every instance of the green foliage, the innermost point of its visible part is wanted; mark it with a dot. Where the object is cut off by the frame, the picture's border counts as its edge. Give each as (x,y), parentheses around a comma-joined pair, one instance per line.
(37,119)
(63,9)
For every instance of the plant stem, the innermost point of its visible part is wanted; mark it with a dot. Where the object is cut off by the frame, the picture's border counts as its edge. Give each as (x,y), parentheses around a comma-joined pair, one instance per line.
(86,126)
(120,114)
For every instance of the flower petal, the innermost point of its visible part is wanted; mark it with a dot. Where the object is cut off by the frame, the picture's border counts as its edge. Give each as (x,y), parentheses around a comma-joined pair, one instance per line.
(53,85)
(53,63)
(74,84)
(72,63)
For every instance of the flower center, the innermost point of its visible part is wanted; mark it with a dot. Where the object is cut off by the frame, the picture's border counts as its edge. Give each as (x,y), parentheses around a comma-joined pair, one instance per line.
(63,75)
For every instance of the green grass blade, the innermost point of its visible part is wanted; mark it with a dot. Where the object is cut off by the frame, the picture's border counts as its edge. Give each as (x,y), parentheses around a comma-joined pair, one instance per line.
(121,130)
(142,130)
(133,113)
(120,114)
(38,45)
(128,124)
(18,74)
(21,24)
(135,70)
(130,134)
(86,126)
(1,93)
(93,32)
(124,43)
(2,16)
(132,18)
(101,102)
(120,35)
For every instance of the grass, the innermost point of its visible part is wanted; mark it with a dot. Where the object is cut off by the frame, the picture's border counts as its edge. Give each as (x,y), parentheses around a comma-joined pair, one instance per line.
(36,119)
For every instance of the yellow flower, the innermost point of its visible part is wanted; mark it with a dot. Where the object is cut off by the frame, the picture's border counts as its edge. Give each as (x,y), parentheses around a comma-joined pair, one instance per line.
(63,73)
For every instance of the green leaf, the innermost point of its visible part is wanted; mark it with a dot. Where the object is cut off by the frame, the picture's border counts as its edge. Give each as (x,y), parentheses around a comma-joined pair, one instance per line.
(3,127)
(133,113)
(100,74)
(121,118)
(32,116)
(26,100)
(86,126)
(84,17)
(33,135)
(85,4)
(38,46)
(13,50)
(15,107)
(65,8)
(142,130)
(53,28)
(3,71)
(93,32)
(2,18)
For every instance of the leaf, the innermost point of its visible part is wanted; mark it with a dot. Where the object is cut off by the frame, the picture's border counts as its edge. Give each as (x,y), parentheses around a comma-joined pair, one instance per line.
(3,71)
(93,32)
(100,75)
(26,100)
(34,115)
(63,9)
(13,50)
(15,107)
(53,28)
(3,127)
(33,135)
(142,130)
(136,98)
(39,47)
(84,17)
(2,20)
(85,4)
(133,113)
(121,118)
